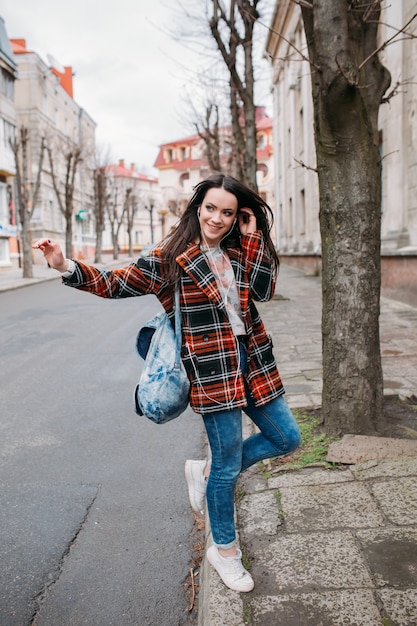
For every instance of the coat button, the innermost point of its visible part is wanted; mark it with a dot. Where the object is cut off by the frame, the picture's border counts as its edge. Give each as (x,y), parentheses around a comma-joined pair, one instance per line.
(205,338)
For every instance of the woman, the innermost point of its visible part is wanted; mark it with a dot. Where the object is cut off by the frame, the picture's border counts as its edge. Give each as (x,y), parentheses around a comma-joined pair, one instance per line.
(222,258)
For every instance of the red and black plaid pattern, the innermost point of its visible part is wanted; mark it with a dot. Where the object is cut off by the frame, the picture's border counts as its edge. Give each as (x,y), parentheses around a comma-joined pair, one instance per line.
(210,350)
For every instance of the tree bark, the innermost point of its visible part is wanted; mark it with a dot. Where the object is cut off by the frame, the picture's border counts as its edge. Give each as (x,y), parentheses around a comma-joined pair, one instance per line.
(100,201)
(346,99)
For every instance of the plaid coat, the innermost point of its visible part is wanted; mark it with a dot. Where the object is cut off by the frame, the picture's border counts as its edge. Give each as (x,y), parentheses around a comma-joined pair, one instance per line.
(210,351)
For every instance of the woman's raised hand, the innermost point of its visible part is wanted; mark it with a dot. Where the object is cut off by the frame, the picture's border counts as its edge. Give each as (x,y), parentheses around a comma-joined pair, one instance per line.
(247,221)
(52,253)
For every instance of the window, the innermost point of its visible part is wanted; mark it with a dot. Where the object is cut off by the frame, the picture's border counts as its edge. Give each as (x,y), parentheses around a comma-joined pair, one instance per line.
(261,142)
(8,132)
(183,177)
(4,251)
(6,84)
(4,209)
(302,212)
(262,171)
(51,210)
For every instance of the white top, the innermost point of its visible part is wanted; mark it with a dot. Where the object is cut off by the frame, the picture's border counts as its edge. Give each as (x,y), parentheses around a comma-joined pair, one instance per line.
(221,267)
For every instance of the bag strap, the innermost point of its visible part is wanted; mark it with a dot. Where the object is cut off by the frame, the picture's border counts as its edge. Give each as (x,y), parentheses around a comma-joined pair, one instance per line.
(178,333)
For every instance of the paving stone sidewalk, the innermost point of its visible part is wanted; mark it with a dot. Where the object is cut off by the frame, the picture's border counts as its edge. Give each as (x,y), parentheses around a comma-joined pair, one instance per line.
(328,547)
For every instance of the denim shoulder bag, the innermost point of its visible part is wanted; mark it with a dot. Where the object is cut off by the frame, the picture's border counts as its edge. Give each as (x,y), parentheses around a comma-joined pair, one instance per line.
(163,389)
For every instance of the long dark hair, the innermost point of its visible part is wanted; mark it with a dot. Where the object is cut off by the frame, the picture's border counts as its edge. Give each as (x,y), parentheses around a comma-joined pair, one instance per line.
(188,228)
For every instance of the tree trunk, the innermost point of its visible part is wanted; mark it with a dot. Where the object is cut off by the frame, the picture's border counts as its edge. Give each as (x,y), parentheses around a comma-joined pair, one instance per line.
(99,243)
(115,242)
(26,248)
(346,98)
(100,204)
(68,237)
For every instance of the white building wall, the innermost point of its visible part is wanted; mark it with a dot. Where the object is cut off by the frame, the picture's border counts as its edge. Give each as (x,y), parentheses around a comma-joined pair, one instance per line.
(46,109)
(296,188)
(7,129)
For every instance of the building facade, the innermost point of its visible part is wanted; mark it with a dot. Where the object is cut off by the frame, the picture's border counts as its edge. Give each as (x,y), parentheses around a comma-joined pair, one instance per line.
(8,76)
(183,163)
(141,198)
(45,106)
(296,186)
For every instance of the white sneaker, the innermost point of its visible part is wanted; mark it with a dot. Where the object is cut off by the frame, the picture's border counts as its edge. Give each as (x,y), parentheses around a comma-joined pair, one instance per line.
(197,484)
(231,570)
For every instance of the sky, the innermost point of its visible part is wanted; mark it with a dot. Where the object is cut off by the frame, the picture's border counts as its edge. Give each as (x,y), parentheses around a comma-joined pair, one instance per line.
(130,75)
(128,72)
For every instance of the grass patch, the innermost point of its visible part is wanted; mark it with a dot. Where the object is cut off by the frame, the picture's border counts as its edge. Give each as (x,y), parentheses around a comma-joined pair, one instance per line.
(314,442)
(246,562)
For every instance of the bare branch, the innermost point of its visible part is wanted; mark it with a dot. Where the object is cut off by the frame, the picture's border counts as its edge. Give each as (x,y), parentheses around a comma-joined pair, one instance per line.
(349,81)
(303,3)
(389,154)
(303,56)
(386,43)
(370,9)
(307,167)
(396,90)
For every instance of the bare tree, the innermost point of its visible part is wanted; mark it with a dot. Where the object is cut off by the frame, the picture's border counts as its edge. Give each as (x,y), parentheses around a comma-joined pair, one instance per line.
(27,194)
(100,207)
(233,33)
(150,207)
(209,133)
(228,29)
(117,205)
(348,86)
(64,189)
(131,210)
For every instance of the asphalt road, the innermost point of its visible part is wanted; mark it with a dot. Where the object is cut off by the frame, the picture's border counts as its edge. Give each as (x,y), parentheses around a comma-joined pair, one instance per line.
(94,520)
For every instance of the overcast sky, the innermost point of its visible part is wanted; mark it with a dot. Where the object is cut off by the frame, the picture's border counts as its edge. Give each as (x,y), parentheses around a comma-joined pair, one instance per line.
(127,72)
(129,76)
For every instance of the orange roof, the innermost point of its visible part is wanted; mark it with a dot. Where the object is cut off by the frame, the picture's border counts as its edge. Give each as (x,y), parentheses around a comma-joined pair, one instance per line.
(65,78)
(262,123)
(120,171)
(19,46)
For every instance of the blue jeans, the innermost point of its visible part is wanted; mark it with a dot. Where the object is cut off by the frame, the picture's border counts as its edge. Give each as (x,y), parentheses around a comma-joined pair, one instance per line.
(279,434)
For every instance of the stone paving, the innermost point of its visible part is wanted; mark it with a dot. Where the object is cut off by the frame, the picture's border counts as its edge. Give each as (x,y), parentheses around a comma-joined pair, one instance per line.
(327,547)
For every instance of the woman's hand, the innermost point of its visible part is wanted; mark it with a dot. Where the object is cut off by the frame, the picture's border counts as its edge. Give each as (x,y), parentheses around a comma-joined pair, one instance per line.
(52,253)
(246,220)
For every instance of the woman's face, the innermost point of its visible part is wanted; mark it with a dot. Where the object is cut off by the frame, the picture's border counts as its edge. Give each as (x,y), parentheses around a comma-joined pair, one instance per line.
(217,215)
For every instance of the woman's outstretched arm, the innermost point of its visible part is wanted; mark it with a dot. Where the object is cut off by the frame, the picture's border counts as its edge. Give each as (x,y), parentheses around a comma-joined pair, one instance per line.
(52,253)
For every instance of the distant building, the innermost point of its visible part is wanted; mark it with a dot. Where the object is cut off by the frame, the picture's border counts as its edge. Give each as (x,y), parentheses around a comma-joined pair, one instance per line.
(143,196)
(8,75)
(183,163)
(45,105)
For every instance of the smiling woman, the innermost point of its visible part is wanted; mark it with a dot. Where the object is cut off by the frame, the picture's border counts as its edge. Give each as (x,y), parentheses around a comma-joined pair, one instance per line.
(220,259)
(217,215)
